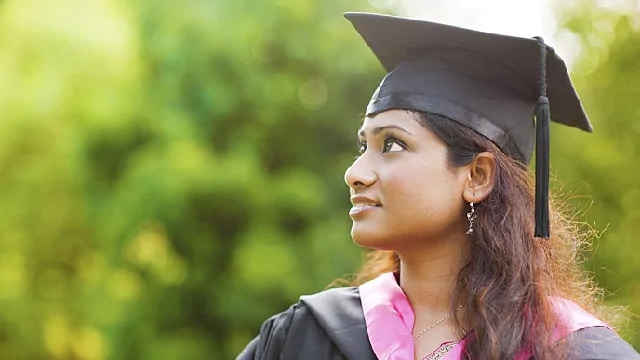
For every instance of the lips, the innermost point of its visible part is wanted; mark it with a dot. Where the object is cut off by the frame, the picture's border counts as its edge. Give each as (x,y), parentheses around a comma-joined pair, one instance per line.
(362,205)
(361,201)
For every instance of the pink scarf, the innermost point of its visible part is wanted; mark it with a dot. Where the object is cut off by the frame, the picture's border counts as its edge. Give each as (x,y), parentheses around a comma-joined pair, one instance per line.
(389,320)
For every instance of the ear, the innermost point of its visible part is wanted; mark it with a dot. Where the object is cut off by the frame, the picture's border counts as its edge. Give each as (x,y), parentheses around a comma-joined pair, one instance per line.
(481,178)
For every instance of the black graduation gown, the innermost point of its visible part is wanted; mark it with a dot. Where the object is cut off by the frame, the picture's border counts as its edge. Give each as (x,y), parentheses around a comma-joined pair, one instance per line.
(330,325)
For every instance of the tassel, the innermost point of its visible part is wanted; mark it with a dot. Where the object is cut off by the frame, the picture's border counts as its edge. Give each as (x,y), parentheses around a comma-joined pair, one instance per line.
(542,168)
(543,118)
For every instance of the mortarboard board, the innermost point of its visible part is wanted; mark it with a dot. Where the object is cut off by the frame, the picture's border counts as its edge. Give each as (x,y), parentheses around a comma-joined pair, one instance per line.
(491,83)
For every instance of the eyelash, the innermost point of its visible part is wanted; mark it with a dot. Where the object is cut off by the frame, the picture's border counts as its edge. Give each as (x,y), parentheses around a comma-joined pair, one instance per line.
(386,136)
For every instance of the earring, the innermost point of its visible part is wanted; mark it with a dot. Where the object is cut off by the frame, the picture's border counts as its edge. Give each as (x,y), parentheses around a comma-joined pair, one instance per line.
(471,216)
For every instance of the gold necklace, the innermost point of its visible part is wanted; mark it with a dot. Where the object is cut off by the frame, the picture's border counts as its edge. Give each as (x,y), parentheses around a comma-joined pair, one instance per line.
(434,324)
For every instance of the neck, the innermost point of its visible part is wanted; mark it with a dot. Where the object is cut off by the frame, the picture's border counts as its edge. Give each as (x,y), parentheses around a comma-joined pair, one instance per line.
(428,276)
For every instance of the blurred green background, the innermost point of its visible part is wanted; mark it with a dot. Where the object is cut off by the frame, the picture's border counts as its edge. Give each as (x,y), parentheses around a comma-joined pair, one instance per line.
(171,171)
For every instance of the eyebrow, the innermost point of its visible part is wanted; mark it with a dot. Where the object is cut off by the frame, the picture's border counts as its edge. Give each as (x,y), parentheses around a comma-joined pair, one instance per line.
(379,129)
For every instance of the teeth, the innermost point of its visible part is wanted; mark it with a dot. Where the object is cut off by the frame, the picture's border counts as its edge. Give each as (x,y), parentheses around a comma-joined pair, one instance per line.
(365,204)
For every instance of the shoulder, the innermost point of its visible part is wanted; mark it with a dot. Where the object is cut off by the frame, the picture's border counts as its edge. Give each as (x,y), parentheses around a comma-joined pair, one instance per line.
(600,343)
(273,332)
(330,308)
(589,337)
(337,301)
(571,317)
(328,322)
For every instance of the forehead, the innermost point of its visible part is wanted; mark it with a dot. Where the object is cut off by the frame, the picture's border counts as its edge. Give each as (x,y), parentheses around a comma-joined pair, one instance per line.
(400,118)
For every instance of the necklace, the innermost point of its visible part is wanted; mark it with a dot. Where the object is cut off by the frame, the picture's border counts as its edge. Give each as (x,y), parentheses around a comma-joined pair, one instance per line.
(434,324)
(441,351)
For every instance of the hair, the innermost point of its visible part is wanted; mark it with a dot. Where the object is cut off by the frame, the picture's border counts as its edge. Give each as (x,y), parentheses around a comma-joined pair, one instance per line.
(506,284)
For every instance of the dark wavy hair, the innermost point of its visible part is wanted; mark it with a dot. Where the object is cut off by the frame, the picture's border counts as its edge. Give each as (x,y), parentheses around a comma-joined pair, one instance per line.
(510,275)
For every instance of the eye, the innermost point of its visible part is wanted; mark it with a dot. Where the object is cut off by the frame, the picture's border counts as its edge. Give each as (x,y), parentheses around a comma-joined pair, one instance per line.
(392,145)
(362,147)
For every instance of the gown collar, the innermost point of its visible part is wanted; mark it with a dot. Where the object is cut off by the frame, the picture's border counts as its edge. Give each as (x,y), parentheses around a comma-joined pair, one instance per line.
(339,313)
(389,320)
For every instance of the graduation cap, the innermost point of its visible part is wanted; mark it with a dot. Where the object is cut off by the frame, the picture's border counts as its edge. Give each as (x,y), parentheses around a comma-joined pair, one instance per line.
(492,83)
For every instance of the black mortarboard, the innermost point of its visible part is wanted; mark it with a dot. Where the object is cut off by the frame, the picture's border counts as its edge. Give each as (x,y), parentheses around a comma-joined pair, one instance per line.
(491,83)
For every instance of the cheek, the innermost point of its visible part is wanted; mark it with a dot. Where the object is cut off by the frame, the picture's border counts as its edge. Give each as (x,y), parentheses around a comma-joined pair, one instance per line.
(424,192)
(420,201)
(422,180)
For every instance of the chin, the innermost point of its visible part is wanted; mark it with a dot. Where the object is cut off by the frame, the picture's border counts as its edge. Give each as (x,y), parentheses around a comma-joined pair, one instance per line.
(371,239)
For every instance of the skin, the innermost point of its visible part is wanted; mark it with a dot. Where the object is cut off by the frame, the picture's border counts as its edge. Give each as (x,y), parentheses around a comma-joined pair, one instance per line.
(420,205)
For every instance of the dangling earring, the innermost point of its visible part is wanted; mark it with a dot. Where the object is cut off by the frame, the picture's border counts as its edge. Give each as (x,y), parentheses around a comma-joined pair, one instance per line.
(471,216)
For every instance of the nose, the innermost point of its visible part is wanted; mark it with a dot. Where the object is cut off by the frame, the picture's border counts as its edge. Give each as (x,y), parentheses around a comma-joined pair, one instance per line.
(359,174)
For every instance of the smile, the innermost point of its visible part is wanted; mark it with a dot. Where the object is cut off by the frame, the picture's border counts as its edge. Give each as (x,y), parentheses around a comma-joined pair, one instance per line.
(358,210)
(365,204)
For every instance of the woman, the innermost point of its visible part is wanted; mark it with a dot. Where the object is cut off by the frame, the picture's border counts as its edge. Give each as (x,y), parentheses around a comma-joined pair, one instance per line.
(441,194)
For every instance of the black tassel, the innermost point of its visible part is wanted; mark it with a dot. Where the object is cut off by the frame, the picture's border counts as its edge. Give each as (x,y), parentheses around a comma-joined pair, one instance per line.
(543,118)
(542,168)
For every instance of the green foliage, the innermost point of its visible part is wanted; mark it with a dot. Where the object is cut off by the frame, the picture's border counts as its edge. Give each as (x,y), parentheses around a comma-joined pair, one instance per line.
(607,74)
(170,172)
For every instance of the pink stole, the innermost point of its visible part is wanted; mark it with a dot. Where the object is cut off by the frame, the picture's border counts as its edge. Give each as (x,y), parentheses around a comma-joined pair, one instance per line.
(389,319)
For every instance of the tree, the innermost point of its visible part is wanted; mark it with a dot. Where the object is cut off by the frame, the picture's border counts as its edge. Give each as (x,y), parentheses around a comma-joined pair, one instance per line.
(171,173)
(602,164)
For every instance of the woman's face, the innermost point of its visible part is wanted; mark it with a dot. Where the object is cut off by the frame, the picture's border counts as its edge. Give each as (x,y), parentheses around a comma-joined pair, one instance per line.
(404,192)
